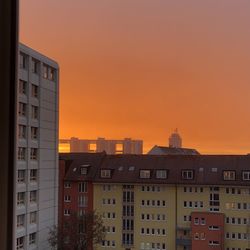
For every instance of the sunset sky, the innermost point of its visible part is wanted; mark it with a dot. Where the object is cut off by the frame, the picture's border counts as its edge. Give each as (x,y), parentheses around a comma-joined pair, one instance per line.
(141,68)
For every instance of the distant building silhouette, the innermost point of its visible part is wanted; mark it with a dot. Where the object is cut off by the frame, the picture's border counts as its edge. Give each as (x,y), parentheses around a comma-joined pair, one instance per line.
(175,140)
(125,146)
(174,148)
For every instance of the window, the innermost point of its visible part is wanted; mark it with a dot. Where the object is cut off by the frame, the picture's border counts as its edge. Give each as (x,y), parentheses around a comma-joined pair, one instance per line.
(20,220)
(33,196)
(20,243)
(45,71)
(145,174)
(84,171)
(34,133)
(22,87)
(33,175)
(33,218)
(67,184)
(202,236)
(21,153)
(246,175)
(196,236)
(66,212)
(196,221)
(34,91)
(21,198)
(35,66)
(161,174)
(83,201)
(52,74)
(105,173)
(187,174)
(23,61)
(22,109)
(34,112)
(229,175)
(203,221)
(33,153)
(83,187)
(67,198)
(21,131)
(32,238)
(21,176)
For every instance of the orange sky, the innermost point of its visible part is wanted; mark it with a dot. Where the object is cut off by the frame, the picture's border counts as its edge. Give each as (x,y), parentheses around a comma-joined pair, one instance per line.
(141,68)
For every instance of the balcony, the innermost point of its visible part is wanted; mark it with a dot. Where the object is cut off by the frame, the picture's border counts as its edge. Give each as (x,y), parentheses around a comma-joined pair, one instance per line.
(183,242)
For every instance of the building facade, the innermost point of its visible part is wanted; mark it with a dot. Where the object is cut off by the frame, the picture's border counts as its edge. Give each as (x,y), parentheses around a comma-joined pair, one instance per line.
(170,202)
(126,146)
(36,190)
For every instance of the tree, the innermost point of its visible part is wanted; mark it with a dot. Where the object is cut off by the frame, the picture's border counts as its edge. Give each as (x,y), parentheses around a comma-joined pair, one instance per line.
(78,232)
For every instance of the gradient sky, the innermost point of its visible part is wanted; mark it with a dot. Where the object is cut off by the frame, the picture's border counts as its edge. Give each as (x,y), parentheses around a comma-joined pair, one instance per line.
(141,68)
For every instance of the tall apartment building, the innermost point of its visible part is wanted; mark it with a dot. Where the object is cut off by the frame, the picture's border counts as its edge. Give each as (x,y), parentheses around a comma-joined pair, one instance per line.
(125,146)
(162,202)
(37,155)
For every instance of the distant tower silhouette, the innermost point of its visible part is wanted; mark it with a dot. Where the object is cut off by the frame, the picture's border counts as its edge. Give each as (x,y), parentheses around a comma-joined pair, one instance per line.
(175,140)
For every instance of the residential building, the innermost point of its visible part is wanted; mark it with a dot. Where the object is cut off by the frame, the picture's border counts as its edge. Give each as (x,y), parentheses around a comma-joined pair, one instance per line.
(36,186)
(126,146)
(173,202)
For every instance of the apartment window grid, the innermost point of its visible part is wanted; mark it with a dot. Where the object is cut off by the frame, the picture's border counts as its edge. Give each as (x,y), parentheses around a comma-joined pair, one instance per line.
(33,196)
(34,154)
(34,112)
(153,203)
(105,173)
(34,133)
(49,73)
(21,131)
(187,174)
(192,189)
(20,220)
(153,246)
(22,107)
(229,175)
(83,187)
(161,174)
(20,243)
(35,66)
(67,198)
(246,175)
(82,201)
(21,198)
(33,218)
(23,61)
(214,199)
(21,154)
(22,87)
(153,231)
(21,176)
(151,188)
(145,174)
(34,91)
(67,184)
(32,238)
(153,217)
(33,175)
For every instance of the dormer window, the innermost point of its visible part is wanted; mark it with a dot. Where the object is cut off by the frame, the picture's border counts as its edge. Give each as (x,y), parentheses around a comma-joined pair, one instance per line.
(84,170)
(105,173)
(229,175)
(161,174)
(145,174)
(246,175)
(187,174)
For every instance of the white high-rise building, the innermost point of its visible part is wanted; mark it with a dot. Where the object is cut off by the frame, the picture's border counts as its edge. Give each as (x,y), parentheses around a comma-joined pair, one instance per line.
(36,187)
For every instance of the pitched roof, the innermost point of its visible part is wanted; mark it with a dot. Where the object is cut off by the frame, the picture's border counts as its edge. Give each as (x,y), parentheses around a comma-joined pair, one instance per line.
(208,169)
(160,150)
